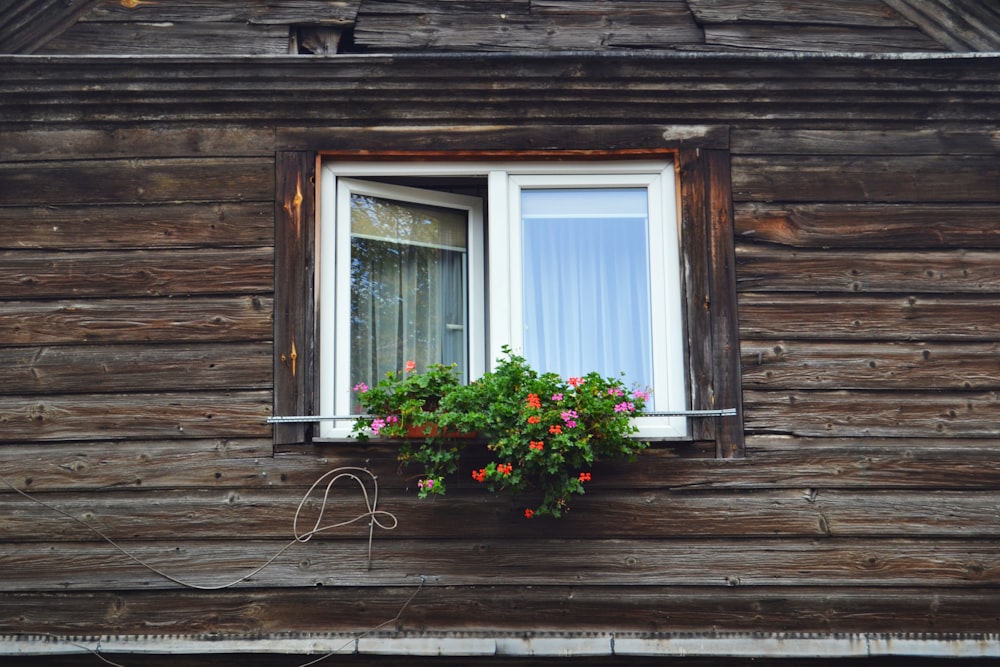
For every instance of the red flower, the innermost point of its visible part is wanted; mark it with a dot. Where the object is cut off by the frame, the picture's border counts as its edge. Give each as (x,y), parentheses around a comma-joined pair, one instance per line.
(479,475)
(533,401)
(574,382)
(411,366)
(504,468)
(529,513)
(534,419)
(536,444)
(555,429)
(584,476)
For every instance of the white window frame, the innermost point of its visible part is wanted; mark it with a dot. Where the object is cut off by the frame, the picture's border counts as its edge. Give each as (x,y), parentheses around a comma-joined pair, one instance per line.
(502,276)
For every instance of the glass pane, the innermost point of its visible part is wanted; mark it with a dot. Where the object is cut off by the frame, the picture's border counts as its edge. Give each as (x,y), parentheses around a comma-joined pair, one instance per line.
(408,286)
(586,282)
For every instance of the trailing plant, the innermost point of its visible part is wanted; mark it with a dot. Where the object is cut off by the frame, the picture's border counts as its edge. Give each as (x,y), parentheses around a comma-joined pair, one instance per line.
(543,433)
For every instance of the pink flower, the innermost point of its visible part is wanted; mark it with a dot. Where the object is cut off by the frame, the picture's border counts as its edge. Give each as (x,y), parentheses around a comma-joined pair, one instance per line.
(644,395)
(411,366)
(377,425)
(557,397)
(361,387)
(615,391)
(625,406)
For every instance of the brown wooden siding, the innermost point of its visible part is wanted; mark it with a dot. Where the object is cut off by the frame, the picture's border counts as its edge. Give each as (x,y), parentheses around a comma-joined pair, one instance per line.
(137,222)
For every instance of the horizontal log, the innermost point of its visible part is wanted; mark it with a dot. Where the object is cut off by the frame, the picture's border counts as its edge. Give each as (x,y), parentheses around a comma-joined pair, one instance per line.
(136,142)
(233,514)
(170,38)
(130,368)
(911,414)
(107,227)
(576,608)
(495,31)
(889,365)
(465,140)
(514,562)
(111,321)
(870,226)
(281,12)
(144,181)
(864,317)
(764,268)
(866,179)
(135,273)
(229,463)
(845,12)
(818,38)
(595,7)
(764,446)
(947,140)
(100,416)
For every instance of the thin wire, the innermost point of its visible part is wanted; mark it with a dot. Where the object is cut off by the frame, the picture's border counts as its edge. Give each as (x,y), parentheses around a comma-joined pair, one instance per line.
(337,474)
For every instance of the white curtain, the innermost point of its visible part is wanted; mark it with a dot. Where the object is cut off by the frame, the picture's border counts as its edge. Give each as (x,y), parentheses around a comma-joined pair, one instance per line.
(407,293)
(586,282)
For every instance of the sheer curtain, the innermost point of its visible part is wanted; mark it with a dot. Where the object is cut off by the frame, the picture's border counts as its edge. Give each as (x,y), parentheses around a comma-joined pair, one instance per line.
(586,282)
(408,287)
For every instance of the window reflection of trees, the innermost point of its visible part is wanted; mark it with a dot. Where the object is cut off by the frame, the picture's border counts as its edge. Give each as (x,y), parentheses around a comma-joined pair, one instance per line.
(405,288)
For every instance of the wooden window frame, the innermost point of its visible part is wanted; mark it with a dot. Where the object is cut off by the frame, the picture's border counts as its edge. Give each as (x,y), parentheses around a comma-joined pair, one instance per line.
(708,264)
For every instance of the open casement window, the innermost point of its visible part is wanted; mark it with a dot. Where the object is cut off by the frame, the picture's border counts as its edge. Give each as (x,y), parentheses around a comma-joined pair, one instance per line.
(618,266)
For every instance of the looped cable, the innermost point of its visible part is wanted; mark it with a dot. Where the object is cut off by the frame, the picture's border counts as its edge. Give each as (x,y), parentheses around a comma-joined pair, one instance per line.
(337,473)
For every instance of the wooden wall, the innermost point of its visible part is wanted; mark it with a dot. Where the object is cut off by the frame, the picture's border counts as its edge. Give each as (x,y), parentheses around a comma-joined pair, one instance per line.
(136,286)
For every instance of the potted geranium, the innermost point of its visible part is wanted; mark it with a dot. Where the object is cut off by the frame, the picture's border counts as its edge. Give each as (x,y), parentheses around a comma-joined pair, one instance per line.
(543,432)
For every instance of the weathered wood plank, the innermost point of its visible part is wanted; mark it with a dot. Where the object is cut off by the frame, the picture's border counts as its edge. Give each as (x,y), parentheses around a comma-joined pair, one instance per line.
(791,364)
(861,414)
(169,38)
(31,25)
(947,140)
(601,7)
(232,514)
(889,226)
(497,607)
(282,12)
(110,321)
(722,270)
(155,464)
(465,140)
(845,12)
(397,7)
(85,142)
(765,268)
(135,273)
(764,446)
(858,318)
(823,38)
(894,463)
(961,26)
(490,31)
(866,179)
(121,226)
(101,416)
(295,369)
(128,368)
(137,181)
(946,564)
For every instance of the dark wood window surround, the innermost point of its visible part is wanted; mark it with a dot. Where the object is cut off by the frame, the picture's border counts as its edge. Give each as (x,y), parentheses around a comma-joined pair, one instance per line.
(708,263)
